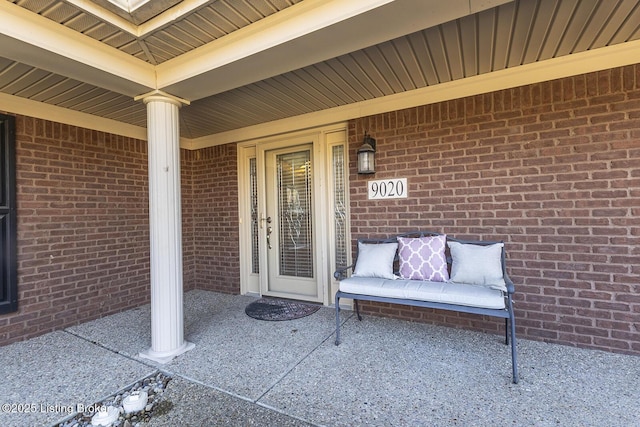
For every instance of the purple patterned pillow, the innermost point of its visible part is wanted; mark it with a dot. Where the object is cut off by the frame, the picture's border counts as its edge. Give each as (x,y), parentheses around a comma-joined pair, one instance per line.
(423,258)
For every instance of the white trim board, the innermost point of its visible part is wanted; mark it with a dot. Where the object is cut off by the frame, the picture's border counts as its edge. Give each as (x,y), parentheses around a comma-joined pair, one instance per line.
(571,65)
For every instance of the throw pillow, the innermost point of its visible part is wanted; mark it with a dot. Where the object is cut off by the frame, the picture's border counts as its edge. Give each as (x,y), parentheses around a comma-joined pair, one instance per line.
(375,260)
(477,265)
(423,258)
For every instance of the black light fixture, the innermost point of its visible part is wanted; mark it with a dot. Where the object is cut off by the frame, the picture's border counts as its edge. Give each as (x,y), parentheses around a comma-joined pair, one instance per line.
(367,155)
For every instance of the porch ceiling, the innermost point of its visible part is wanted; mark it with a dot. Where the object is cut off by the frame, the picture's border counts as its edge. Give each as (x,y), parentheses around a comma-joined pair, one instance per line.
(243,63)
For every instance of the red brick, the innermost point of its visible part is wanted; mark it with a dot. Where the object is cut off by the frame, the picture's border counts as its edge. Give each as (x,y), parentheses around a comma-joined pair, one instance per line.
(563,162)
(551,168)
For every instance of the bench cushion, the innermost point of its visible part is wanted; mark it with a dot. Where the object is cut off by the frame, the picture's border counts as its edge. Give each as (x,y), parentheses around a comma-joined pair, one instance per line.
(419,290)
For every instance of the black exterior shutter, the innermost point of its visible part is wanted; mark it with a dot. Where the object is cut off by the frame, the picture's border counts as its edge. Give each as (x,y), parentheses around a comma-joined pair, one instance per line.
(8,217)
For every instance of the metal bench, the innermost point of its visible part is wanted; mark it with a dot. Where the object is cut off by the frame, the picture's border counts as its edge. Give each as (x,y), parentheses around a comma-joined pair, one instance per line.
(437,295)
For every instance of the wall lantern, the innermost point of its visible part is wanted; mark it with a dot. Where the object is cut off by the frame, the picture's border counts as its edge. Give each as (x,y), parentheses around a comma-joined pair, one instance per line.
(367,155)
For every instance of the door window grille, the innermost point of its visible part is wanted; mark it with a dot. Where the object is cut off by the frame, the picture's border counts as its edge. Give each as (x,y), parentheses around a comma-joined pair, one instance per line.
(340,206)
(294,214)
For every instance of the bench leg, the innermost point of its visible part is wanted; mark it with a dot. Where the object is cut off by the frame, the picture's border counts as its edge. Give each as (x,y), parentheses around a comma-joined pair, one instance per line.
(506,331)
(514,357)
(337,319)
(357,309)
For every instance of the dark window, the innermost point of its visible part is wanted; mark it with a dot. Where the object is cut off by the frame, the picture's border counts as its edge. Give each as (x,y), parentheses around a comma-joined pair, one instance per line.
(8,216)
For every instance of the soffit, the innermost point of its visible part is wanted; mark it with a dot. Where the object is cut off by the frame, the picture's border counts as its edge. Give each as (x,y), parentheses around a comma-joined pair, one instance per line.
(181,30)
(508,36)
(503,37)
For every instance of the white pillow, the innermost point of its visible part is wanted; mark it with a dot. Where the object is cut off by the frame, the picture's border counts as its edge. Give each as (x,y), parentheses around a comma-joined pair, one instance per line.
(375,260)
(477,265)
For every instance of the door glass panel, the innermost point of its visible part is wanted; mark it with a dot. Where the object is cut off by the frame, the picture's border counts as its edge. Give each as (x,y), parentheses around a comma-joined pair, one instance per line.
(340,206)
(294,212)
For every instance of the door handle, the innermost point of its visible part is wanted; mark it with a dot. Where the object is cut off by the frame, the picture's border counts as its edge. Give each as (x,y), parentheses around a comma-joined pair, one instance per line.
(263,220)
(269,231)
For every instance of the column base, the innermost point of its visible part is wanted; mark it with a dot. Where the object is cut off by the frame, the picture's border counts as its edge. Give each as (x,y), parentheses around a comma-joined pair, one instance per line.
(163,357)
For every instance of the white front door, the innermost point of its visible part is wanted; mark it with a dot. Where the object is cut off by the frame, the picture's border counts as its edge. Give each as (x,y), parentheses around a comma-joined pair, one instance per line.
(289,224)
(293,204)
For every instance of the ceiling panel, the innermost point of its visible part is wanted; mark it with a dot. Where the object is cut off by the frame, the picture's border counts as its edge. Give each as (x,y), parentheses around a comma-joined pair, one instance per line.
(231,16)
(522,21)
(57,91)
(39,82)
(216,19)
(17,77)
(81,22)
(502,36)
(302,86)
(201,27)
(381,74)
(36,6)
(194,29)
(542,21)
(353,76)
(576,24)
(423,58)
(299,100)
(165,46)
(101,31)
(42,87)
(439,54)
(332,84)
(122,41)
(510,35)
(60,12)
(487,21)
(629,26)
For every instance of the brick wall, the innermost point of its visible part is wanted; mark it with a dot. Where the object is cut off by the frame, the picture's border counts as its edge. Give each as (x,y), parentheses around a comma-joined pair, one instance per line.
(83,227)
(551,168)
(189,265)
(215,218)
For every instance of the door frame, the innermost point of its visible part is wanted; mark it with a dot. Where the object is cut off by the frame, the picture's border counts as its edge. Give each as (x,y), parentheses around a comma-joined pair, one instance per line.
(321,139)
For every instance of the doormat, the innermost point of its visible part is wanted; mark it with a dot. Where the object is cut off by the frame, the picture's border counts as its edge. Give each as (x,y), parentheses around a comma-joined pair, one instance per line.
(274,309)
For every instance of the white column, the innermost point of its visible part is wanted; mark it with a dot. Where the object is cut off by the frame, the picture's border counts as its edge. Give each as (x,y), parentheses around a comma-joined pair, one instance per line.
(165,218)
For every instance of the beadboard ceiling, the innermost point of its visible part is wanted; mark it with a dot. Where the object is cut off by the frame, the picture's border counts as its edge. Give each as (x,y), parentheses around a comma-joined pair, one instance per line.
(242,63)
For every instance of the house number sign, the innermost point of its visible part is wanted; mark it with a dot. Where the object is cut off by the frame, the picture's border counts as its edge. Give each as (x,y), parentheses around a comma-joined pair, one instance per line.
(394,188)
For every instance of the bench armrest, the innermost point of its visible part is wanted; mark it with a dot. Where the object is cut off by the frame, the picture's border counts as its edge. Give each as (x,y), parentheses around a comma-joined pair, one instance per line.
(510,288)
(341,271)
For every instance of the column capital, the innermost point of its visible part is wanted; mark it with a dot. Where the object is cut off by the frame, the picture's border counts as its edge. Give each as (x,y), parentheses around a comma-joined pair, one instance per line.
(158,95)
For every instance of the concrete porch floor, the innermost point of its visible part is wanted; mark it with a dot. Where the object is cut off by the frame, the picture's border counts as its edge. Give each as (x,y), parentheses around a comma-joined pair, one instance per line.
(385,373)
